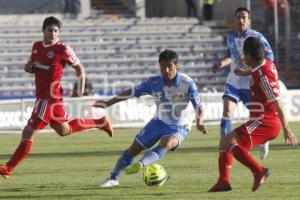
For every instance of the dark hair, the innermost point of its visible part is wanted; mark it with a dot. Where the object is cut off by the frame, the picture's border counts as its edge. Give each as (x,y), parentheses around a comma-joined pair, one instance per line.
(254,48)
(242,9)
(168,55)
(51,21)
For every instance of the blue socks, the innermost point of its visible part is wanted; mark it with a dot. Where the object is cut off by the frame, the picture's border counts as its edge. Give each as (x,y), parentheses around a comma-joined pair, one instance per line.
(124,161)
(226,126)
(152,156)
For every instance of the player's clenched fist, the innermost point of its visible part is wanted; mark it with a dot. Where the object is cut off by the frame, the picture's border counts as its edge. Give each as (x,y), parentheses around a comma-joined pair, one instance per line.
(28,67)
(201,128)
(216,67)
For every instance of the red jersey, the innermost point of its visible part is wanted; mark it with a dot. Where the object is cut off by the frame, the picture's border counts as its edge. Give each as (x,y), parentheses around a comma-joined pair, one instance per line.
(264,86)
(48,63)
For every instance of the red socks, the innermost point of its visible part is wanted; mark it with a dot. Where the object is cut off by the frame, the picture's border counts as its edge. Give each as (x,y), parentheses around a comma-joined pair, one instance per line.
(225,163)
(243,156)
(77,125)
(20,153)
(240,154)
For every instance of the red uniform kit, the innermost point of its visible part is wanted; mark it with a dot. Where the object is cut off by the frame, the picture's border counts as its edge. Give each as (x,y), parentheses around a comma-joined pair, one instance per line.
(264,123)
(48,64)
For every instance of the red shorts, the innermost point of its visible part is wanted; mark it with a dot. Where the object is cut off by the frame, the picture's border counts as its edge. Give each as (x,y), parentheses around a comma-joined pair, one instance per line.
(47,111)
(256,132)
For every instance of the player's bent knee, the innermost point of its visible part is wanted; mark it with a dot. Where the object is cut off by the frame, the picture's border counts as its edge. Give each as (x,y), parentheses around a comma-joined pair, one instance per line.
(169,147)
(135,149)
(227,141)
(63,132)
(61,129)
(27,132)
(227,113)
(169,143)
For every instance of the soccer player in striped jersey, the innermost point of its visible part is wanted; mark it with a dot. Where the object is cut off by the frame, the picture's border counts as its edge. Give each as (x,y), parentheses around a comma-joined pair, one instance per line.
(173,93)
(266,118)
(47,61)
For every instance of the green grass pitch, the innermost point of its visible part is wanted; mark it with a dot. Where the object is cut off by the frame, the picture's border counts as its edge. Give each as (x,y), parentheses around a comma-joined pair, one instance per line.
(72,167)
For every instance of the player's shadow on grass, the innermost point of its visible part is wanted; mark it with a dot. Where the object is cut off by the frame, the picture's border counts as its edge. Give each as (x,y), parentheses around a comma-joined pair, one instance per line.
(88,192)
(209,149)
(69,154)
(56,196)
(212,149)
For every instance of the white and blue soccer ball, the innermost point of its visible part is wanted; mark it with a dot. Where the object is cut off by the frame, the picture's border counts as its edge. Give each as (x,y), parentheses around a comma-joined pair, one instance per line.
(155,175)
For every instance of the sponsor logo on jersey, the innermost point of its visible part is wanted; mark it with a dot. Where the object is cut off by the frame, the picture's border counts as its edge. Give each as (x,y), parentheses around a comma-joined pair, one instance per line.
(50,54)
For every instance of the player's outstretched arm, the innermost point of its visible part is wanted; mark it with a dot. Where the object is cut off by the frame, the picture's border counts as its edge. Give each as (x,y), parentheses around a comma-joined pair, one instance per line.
(200,120)
(288,134)
(80,73)
(222,63)
(127,94)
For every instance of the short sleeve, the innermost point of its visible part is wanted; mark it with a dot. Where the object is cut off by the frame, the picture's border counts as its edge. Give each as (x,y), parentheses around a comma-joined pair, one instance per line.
(33,53)
(228,52)
(194,95)
(267,48)
(69,56)
(142,89)
(270,83)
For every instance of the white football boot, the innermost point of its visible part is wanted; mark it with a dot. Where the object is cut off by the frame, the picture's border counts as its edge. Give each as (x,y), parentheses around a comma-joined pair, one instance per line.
(108,183)
(264,150)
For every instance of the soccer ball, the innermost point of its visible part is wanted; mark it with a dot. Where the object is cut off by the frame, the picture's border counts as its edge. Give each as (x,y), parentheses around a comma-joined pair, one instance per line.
(154,175)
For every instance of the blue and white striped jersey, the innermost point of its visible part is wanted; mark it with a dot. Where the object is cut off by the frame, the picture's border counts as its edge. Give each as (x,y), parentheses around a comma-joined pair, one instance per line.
(172,102)
(235,44)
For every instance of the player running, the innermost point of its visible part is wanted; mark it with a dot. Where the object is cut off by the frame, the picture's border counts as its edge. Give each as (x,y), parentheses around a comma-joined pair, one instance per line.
(47,62)
(172,91)
(266,118)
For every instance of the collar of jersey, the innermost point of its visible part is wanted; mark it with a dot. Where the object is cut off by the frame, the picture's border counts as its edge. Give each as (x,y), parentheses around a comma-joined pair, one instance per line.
(259,66)
(49,45)
(244,34)
(177,80)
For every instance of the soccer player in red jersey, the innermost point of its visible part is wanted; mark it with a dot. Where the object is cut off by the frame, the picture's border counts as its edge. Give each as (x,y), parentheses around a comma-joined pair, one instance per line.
(47,62)
(266,118)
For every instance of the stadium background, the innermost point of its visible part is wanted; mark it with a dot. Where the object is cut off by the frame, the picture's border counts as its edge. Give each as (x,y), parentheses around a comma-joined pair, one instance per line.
(118,41)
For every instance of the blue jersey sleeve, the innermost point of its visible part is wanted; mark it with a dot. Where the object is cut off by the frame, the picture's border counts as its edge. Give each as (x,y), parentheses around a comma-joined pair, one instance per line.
(194,95)
(142,89)
(268,51)
(228,52)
